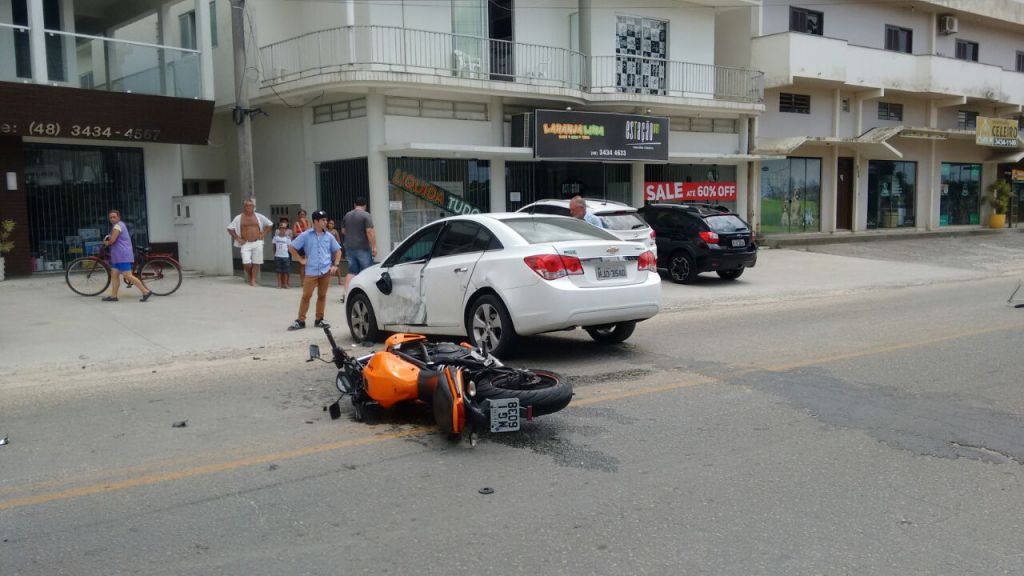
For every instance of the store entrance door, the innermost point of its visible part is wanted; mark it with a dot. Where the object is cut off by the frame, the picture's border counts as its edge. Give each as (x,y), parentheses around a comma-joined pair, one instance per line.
(844,194)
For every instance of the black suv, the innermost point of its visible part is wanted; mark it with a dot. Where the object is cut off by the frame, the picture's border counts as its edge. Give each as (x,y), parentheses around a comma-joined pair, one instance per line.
(695,238)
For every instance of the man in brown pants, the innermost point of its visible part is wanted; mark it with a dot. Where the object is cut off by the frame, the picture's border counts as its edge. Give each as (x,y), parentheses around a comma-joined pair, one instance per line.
(323,253)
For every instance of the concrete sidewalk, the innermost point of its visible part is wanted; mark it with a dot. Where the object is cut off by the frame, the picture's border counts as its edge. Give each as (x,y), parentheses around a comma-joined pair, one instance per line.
(43,325)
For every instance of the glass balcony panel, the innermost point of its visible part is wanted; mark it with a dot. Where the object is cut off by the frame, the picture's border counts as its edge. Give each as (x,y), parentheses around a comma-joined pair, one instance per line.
(15,53)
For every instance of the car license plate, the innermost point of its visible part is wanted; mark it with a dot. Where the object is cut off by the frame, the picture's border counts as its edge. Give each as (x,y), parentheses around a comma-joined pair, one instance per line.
(505,415)
(739,242)
(611,272)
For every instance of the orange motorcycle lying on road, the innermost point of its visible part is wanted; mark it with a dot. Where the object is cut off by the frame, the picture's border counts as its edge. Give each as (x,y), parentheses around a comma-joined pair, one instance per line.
(469,390)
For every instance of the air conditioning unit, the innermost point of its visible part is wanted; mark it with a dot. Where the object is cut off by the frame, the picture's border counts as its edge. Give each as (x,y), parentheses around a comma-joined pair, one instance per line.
(948,24)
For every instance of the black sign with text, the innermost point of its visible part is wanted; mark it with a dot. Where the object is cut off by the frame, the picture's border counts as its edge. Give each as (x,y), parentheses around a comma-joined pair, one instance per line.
(569,135)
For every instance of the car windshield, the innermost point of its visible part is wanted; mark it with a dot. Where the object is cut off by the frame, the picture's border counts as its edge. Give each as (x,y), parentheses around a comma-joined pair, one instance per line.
(544,230)
(726,223)
(622,221)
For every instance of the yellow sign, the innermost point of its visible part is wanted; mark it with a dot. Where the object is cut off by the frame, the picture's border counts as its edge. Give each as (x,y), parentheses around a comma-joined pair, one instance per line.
(998,132)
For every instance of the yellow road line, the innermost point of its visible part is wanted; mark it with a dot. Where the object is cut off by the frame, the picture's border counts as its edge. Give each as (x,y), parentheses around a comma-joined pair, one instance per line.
(157,478)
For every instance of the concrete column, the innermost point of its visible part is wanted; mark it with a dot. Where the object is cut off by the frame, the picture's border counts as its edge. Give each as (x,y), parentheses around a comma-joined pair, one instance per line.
(377,166)
(37,42)
(927,191)
(830,191)
(744,143)
(742,187)
(165,30)
(857,204)
(636,184)
(837,104)
(205,43)
(496,113)
(754,197)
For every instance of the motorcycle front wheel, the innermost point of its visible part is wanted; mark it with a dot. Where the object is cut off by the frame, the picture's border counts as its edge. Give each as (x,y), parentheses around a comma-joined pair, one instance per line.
(545,391)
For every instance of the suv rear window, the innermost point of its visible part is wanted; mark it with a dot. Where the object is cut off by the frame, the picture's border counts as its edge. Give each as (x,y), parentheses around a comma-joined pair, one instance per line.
(622,221)
(726,223)
(544,230)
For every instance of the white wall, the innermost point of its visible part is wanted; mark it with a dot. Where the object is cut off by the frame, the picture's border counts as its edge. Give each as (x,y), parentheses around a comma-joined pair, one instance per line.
(406,129)
(338,140)
(209,162)
(862,24)
(996,46)
(775,124)
(732,37)
(163,183)
(703,142)
(543,22)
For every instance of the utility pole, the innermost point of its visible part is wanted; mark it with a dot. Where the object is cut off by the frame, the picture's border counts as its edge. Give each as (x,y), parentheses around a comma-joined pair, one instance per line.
(241,115)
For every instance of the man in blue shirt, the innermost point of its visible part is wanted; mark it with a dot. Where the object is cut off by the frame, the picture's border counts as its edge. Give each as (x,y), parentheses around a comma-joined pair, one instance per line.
(323,253)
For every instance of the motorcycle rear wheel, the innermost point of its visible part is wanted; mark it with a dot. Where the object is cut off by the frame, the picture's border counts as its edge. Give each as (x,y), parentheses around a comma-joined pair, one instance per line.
(545,391)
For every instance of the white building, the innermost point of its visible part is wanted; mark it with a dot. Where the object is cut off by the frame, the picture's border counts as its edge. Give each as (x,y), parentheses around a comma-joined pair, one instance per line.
(404,101)
(875,107)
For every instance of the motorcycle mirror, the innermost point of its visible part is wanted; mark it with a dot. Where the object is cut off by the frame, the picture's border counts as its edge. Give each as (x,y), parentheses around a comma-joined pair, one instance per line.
(384,283)
(314,352)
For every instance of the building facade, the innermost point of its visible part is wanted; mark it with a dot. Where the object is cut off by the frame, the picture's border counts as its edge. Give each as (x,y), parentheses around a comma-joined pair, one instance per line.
(878,113)
(412,104)
(98,99)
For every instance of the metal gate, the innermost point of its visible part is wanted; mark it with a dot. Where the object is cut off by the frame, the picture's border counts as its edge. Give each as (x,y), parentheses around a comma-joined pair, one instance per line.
(340,182)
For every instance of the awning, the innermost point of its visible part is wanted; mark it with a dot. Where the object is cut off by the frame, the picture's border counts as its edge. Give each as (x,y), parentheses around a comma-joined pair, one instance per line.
(705,158)
(872,144)
(426,150)
(1007,156)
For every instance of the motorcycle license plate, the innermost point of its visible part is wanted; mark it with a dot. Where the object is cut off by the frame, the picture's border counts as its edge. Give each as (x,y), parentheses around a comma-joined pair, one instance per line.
(505,415)
(611,272)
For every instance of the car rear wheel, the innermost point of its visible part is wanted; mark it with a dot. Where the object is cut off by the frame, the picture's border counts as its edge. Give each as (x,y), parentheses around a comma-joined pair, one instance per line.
(362,323)
(612,333)
(681,268)
(489,325)
(730,274)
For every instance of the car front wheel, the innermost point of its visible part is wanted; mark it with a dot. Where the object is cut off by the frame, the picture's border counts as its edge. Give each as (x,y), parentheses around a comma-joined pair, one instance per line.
(681,268)
(489,325)
(362,323)
(612,333)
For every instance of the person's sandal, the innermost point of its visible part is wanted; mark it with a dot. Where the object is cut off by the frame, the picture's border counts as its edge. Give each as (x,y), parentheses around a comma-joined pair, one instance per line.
(297,325)
(145,296)
(109,299)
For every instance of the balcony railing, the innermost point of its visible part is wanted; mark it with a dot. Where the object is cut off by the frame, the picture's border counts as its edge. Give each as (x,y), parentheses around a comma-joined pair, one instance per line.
(661,77)
(100,63)
(394,49)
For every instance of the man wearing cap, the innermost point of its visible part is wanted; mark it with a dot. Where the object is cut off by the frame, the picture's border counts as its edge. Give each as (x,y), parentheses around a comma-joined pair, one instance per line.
(322,255)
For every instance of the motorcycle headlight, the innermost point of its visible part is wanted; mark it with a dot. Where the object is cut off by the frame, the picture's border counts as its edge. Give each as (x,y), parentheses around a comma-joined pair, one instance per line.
(471,389)
(343,383)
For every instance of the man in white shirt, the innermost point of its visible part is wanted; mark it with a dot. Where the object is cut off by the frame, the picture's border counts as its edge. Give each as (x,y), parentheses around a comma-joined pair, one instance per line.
(248,230)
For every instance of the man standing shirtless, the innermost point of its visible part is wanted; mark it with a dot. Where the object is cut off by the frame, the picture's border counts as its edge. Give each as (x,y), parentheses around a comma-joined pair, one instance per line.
(248,230)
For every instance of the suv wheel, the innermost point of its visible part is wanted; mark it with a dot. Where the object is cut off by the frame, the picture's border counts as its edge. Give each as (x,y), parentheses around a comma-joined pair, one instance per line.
(681,268)
(730,274)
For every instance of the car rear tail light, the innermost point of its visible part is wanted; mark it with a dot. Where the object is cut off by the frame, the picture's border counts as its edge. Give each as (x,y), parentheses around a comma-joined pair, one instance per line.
(648,262)
(554,266)
(653,235)
(709,237)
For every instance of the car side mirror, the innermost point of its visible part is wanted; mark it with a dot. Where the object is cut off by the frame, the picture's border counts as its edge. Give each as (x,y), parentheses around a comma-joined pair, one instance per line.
(384,283)
(314,352)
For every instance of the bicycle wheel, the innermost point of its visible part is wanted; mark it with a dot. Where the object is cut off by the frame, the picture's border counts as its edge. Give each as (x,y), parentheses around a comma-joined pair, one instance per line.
(161,275)
(87,276)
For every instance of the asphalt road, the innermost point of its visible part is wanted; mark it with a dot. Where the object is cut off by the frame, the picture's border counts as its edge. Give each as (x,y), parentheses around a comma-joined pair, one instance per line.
(878,432)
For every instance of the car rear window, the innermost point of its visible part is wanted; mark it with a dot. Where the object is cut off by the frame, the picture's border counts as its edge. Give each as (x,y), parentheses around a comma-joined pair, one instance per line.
(726,223)
(622,221)
(544,230)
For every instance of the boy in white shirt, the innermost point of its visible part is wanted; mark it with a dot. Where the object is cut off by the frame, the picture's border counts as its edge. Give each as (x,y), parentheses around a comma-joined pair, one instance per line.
(282,259)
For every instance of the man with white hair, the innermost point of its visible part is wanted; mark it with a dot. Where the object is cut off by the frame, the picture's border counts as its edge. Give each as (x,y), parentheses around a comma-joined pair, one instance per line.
(248,230)
(578,209)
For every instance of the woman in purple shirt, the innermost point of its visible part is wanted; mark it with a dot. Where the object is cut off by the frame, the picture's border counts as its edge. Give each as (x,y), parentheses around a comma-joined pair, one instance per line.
(122,256)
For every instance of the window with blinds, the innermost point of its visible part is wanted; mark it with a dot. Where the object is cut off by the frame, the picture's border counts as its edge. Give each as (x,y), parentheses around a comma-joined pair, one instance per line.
(794,103)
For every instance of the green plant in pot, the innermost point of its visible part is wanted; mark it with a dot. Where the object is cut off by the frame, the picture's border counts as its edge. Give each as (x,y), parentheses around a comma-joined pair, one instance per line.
(6,244)
(998,197)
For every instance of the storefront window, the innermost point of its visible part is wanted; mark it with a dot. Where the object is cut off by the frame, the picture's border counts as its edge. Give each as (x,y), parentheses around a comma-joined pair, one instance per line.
(423,190)
(692,176)
(527,182)
(791,195)
(70,190)
(891,190)
(959,202)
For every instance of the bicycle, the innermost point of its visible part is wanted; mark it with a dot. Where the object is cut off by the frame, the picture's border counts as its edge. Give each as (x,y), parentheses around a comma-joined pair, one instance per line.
(90,275)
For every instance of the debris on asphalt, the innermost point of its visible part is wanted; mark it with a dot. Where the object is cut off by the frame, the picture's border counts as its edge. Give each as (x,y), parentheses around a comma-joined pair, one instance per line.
(4,441)
(273,467)
(367,344)
(1011,300)
(486,490)
(180,424)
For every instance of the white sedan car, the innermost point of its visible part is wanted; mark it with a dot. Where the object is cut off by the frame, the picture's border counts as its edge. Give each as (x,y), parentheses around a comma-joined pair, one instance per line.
(493,277)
